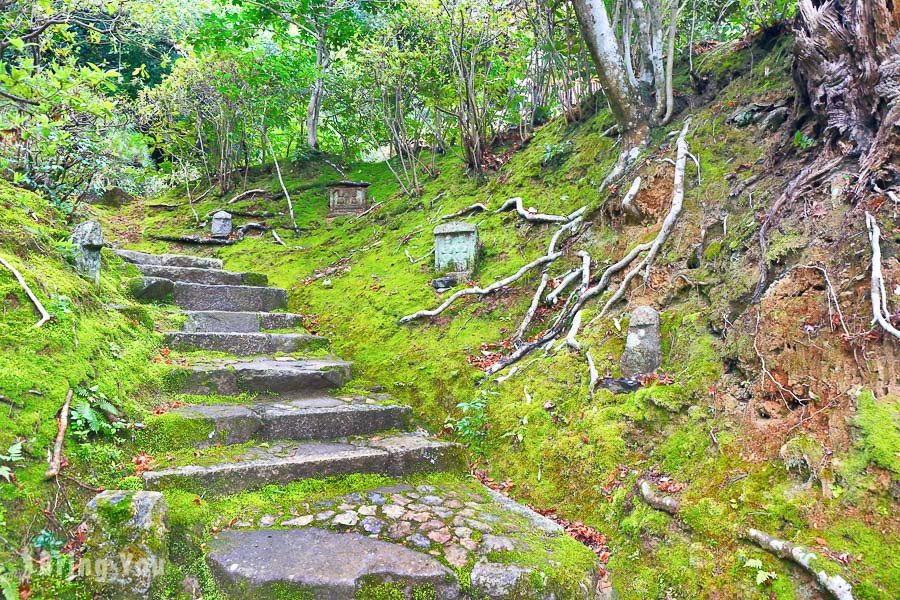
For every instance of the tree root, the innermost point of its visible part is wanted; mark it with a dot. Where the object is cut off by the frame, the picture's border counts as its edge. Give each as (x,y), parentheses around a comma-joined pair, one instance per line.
(667,504)
(535,301)
(628,201)
(567,280)
(877,291)
(477,207)
(45,316)
(278,239)
(536,217)
(56,457)
(836,585)
(243,195)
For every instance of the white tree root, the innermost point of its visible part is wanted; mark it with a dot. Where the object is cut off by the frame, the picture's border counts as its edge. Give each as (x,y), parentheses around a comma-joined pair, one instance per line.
(413,261)
(667,225)
(626,157)
(571,224)
(571,337)
(477,291)
(658,501)
(477,207)
(628,201)
(56,457)
(585,269)
(45,316)
(877,291)
(535,301)
(277,237)
(595,375)
(281,181)
(243,195)
(553,297)
(535,217)
(836,585)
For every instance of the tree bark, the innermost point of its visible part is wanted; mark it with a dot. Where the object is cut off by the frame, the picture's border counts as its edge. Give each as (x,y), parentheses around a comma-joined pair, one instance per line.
(604,47)
(314,110)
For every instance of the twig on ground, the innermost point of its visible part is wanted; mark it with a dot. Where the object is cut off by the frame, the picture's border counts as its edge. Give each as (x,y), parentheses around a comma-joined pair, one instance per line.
(477,207)
(836,585)
(413,261)
(277,237)
(877,291)
(368,210)
(56,457)
(658,501)
(45,316)
(243,195)
(533,217)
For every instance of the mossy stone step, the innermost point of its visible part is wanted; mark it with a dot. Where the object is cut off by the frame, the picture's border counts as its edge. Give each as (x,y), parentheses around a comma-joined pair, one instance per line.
(172,260)
(284,462)
(203,275)
(244,344)
(219,321)
(264,375)
(323,418)
(302,563)
(239,298)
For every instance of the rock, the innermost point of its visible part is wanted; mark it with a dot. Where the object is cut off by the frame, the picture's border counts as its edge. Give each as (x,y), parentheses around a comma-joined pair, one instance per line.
(151,289)
(419,540)
(126,546)
(442,284)
(478,525)
(221,224)
(492,580)
(266,521)
(372,525)
(315,563)
(775,118)
(418,517)
(747,115)
(347,519)
(469,544)
(393,511)
(299,521)
(367,511)
(456,556)
(619,385)
(643,352)
(431,500)
(496,543)
(441,536)
(87,237)
(463,532)
(376,498)
(455,248)
(432,525)
(399,529)
(324,515)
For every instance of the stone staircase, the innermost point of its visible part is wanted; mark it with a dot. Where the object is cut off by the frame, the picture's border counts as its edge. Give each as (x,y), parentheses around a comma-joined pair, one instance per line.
(417,539)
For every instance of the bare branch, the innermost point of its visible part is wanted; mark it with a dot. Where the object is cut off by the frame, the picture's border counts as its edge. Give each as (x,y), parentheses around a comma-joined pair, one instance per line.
(45,316)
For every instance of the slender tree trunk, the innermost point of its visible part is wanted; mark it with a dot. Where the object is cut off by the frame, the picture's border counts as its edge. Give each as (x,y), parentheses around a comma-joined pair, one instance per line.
(601,41)
(314,110)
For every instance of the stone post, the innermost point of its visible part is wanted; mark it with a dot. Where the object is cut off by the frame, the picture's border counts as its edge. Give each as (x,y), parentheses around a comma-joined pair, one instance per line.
(642,346)
(221,224)
(455,248)
(87,238)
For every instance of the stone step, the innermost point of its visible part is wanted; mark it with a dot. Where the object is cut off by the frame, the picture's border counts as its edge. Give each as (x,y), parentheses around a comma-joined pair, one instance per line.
(322,417)
(204,275)
(263,375)
(218,321)
(238,298)
(244,344)
(171,260)
(284,462)
(317,563)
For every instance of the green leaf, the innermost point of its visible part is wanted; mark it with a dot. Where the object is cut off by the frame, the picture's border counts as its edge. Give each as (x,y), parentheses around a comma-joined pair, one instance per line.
(17,43)
(764,576)
(753,563)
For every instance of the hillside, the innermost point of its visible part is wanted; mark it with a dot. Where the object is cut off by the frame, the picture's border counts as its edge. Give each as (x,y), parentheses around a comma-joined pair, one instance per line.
(779,414)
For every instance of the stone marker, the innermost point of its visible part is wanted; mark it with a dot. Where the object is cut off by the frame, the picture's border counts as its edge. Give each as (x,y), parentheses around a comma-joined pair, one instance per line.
(221,224)
(88,241)
(642,346)
(126,546)
(455,248)
(347,197)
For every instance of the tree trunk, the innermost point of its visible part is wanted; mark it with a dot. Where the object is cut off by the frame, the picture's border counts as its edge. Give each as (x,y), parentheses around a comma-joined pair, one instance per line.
(847,72)
(314,110)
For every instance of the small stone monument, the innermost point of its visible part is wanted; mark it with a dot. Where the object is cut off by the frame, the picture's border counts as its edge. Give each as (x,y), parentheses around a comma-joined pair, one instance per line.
(87,237)
(455,248)
(347,197)
(221,224)
(642,346)
(126,545)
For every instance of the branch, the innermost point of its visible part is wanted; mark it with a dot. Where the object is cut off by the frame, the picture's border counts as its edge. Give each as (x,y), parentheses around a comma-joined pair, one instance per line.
(277,237)
(595,376)
(45,316)
(367,211)
(535,217)
(477,207)
(554,294)
(531,310)
(245,194)
(477,291)
(56,458)
(877,291)
(836,585)
(661,502)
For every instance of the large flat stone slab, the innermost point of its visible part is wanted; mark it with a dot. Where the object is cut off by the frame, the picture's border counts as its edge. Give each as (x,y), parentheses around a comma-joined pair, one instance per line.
(244,344)
(282,463)
(218,321)
(172,260)
(241,298)
(226,377)
(203,275)
(322,418)
(256,565)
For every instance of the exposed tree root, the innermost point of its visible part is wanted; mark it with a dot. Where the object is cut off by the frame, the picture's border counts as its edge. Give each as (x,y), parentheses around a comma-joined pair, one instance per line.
(45,316)
(535,301)
(56,457)
(535,217)
(658,501)
(278,239)
(565,282)
(477,207)
(243,195)
(836,585)
(372,208)
(877,292)
(595,376)
(628,201)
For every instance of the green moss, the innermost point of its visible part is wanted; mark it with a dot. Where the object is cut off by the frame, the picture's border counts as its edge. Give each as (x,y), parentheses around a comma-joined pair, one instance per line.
(712,250)
(374,590)
(168,432)
(879,424)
